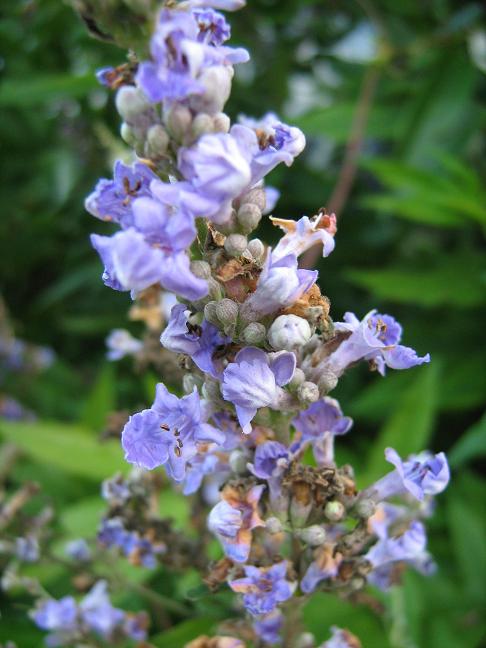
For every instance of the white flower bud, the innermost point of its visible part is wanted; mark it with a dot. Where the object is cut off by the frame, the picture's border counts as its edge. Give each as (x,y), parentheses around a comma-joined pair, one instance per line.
(256,249)
(210,390)
(189,381)
(201,269)
(308,392)
(305,640)
(157,141)
(327,382)
(179,121)
(216,81)
(131,102)
(128,135)
(238,461)
(334,511)
(235,244)
(254,333)
(227,311)
(202,124)
(313,535)
(297,379)
(210,313)
(273,525)
(221,123)
(365,508)
(288,332)
(255,196)
(249,217)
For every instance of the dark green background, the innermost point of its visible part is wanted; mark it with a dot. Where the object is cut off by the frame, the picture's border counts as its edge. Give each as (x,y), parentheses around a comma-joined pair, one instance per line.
(410,242)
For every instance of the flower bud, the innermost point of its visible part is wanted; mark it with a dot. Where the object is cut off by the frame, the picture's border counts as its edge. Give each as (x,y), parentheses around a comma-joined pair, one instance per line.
(255,196)
(327,382)
(210,313)
(221,123)
(273,525)
(128,135)
(256,249)
(301,504)
(288,332)
(179,121)
(297,379)
(216,81)
(201,269)
(249,217)
(305,640)
(313,535)
(365,508)
(308,392)
(202,124)
(334,511)
(238,461)
(211,390)
(254,333)
(189,381)
(131,102)
(227,311)
(235,244)
(157,141)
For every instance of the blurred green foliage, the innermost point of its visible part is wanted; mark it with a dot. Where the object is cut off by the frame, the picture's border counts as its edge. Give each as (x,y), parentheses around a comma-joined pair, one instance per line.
(410,242)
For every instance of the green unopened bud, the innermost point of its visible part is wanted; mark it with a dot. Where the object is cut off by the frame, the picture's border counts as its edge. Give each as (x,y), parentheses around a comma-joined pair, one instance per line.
(227,311)
(238,461)
(365,508)
(256,249)
(305,640)
(211,391)
(308,392)
(313,535)
(210,313)
(201,269)
(289,332)
(128,135)
(221,123)
(334,511)
(255,196)
(235,244)
(297,379)
(202,124)
(179,121)
(157,142)
(249,217)
(254,333)
(131,102)
(273,525)
(327,382)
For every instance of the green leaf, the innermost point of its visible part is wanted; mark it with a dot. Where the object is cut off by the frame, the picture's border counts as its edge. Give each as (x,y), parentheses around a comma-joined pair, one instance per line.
(183,633)
(82,518)
(409,428)
(26,93)
(471,445)
(67,446)
(453,281)
(175,505)
(102,399)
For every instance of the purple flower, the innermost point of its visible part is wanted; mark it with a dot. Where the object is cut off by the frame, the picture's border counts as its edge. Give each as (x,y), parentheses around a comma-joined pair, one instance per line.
(115,490)
(376,339)
(56,615)
(281,284)
(213,27)
(98,613)
(233,519)
(225,5)
(205,465)
(138,549)
(319,424)
(218,171)
(181,50)
(325,565)
(27,549)
(255,380)
(199,343)
(270,142)
(264,588)
(341,639)
(420,475)
(268,627)
(112,199)
(121,343)
(78,550)
(302,234)
(132,264)
(168,433)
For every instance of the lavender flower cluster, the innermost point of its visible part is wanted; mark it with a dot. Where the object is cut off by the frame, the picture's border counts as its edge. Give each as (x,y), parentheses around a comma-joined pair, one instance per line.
(254,430)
